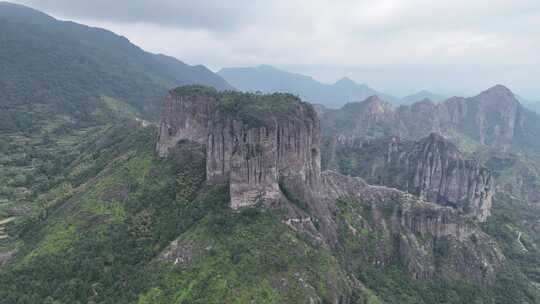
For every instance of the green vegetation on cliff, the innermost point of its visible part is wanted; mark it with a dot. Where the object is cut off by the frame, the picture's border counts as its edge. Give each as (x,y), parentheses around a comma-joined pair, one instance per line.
(79,76)
(90,214)
(254,109)
(123,226)
(248,257)
(100,234)
(391,282)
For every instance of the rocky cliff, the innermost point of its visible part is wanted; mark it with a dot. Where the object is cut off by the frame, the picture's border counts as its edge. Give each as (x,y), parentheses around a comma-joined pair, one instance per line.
(494,117)
(267,148)
(370,118)
(253,142)
(382,226)
(432,169)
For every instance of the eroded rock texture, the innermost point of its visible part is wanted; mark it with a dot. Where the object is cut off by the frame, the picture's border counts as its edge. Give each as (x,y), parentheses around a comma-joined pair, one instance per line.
(184,117)
(383,225)
(267,148)
(431,168)
(253,156)
(494,117)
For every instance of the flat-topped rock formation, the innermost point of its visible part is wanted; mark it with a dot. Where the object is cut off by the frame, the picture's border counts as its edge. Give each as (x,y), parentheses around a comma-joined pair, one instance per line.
(267,148)
(252,141)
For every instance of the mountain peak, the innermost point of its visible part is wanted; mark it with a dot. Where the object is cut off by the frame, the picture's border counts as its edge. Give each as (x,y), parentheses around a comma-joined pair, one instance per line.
(425,92)
(500,90)
(345,81)
(424,102)
(375,105)
(372,104)
(18,12)
(266,78)
(421,96)
(434,137)
(374,99)
(498,95)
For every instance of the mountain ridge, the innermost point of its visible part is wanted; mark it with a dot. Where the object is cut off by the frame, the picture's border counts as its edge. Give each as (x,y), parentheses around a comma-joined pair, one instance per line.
(276,163)
(431,168)
(493,117)
(420,95)
(269,79)
(238,206)
(72,66)
(241,197)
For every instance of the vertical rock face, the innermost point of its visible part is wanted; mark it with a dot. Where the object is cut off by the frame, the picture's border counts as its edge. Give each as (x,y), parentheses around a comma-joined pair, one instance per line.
(396,226)
(422,117)
(370,118)
(440,174)
(254,147)
(184,117)
(267,148)
(494,117)
(247,159)
(432,169)
(256,159)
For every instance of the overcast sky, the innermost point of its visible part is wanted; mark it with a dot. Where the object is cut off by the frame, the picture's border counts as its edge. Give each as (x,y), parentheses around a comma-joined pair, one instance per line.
(396,46)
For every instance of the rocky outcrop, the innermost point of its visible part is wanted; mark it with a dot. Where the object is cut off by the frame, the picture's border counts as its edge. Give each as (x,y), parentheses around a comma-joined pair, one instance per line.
(439,173)
(253,151)
(256,160)
(267,148)
(494,117)
(432,169)
(370,118)
(184,117)
(383,225)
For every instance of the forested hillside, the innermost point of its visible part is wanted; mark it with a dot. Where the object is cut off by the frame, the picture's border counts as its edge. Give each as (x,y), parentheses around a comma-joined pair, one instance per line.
(61,85)
(80,71)
(130,177)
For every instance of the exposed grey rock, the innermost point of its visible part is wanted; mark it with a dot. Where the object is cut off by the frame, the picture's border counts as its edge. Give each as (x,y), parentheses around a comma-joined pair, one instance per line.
(253,159)
(277,162)
(184,117)
(494,117)
(432,169)
(179,252)
(412,230)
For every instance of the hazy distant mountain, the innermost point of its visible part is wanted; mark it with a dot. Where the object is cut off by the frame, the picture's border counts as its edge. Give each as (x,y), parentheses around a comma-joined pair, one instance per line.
(72,66)
(266,78)
(424,94)
(226,200)
(494,117)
